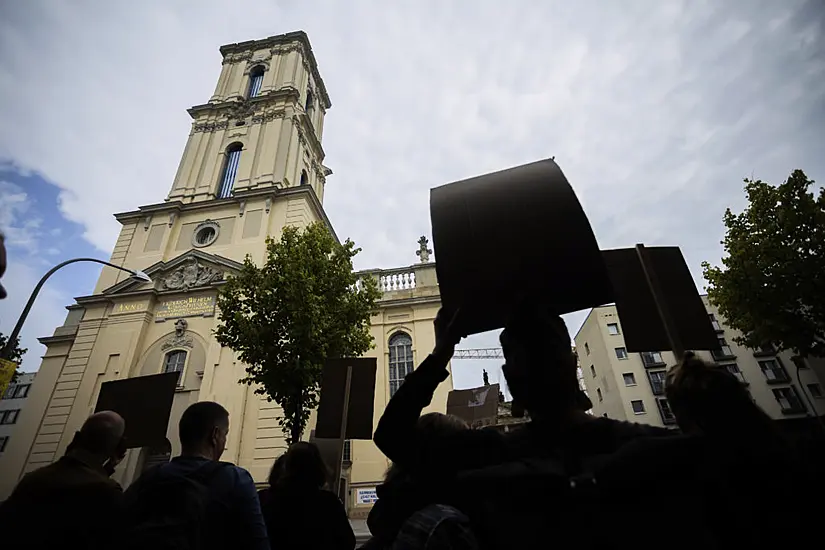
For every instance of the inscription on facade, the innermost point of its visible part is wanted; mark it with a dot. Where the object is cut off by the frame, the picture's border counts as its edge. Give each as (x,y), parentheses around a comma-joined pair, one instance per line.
(131,307)
(186,307)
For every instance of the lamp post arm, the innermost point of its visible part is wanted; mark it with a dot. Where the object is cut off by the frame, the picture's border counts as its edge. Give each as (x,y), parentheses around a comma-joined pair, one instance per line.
(15,333)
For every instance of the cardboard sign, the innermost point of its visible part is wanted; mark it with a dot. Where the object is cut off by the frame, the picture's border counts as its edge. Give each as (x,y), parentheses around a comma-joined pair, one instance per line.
(144,403)
(477,406)
(642,326)
(513,235)
(361,398)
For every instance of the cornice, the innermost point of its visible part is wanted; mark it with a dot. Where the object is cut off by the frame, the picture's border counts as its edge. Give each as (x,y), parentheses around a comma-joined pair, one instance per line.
(239,107)
(273,193)
(283,43)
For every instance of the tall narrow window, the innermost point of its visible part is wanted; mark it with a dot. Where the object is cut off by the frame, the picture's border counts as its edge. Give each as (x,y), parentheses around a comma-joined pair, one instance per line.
(230,170)
(256,79)
(304,178)
(310,104)
(401,360)
(174,362)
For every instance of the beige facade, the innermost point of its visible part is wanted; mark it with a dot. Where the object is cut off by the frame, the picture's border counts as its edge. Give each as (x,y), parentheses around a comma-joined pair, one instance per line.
(253,164)
(630,386)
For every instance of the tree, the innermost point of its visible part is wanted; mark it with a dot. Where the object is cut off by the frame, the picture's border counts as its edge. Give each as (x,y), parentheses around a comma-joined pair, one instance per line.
(772,285)
(284,319)
(17,352)
(16,356)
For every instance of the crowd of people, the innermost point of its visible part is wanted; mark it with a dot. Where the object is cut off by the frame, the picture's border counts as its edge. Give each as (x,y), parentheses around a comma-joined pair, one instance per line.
(725,478)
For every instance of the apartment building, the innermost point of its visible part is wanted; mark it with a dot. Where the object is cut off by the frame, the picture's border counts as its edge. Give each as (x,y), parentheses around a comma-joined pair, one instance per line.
(631,386)
(11,406)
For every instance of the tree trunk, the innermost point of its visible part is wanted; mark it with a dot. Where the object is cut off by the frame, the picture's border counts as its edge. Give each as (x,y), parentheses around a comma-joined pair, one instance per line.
(297,430)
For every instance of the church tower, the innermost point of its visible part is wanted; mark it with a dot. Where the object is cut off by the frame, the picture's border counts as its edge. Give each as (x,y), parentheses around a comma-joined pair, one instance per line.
(252,165)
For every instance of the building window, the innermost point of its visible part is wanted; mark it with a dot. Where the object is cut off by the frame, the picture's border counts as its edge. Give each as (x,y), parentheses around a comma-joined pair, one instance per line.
(629,379)
(613,329)
(401,360)
(716,326)
(599,393)
(310,102)
(815,390)
(652,358)
(724,350)
(657,381)
(621,353)
(9,417)
(788,400)
(638,406)
(3,442)
(304,178)
(773,371)
(205,234)
(733,368)
(593,371)
(586,348)
(256,80)
(17,391)
(765,349)
(347,451)
(664,409)
(174,362)
(230,170)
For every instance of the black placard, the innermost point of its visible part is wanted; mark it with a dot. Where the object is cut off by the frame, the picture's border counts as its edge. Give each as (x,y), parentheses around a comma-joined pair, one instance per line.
(361,399)
(144,403)
(510,235)
(642,326)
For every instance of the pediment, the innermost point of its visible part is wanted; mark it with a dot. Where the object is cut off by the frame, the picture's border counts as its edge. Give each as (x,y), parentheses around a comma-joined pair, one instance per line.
(191,270)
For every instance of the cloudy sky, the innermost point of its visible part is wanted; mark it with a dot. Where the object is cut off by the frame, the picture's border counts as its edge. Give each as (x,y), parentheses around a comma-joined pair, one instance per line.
(655,110)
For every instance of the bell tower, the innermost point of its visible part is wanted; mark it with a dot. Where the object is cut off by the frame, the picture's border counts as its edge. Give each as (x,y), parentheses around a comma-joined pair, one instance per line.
(261,128)
(253,162)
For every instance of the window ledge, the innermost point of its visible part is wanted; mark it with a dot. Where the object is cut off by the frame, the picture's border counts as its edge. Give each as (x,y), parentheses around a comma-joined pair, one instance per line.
(722,357)
(775,382)
(794,411)
(639,414)
(655,365)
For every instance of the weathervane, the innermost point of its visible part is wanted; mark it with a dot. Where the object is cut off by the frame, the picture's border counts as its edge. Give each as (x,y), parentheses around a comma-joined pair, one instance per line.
(423,252)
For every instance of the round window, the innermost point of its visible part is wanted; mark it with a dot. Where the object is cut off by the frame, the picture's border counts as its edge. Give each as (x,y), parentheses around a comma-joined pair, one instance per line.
(205,234)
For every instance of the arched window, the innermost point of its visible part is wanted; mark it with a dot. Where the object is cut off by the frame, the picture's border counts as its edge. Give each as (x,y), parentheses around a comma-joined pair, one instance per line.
(310,103)
(401,360)
(304,178)
(230,170)
(174,362)
(256,79)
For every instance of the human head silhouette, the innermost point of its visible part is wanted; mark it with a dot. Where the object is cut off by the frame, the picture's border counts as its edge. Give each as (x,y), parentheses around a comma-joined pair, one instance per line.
(708,399)
(540,366)
(100,437)
(203,430)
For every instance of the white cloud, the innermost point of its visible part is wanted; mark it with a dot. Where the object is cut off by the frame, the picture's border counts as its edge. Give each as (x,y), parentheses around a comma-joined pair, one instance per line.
(655,111)
(20,226)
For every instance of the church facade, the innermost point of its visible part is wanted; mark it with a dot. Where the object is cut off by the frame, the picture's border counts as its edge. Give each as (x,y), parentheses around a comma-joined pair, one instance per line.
(253,164)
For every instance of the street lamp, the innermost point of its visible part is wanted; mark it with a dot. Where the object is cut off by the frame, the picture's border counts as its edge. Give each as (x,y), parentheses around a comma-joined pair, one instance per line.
(7,351)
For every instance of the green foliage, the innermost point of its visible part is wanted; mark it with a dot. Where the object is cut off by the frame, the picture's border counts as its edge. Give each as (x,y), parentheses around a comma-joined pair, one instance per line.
(772,285)
(16,356)
(285,318)
(17,352)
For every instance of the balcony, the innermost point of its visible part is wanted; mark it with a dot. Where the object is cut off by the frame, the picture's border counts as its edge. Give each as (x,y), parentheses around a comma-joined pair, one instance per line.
(764,351)
(652,359)
(668,418)
(657,382)
(415,281)
(724,354)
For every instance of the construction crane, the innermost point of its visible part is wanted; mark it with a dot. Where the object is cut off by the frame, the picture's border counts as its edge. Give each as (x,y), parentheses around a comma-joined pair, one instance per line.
(478,353)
